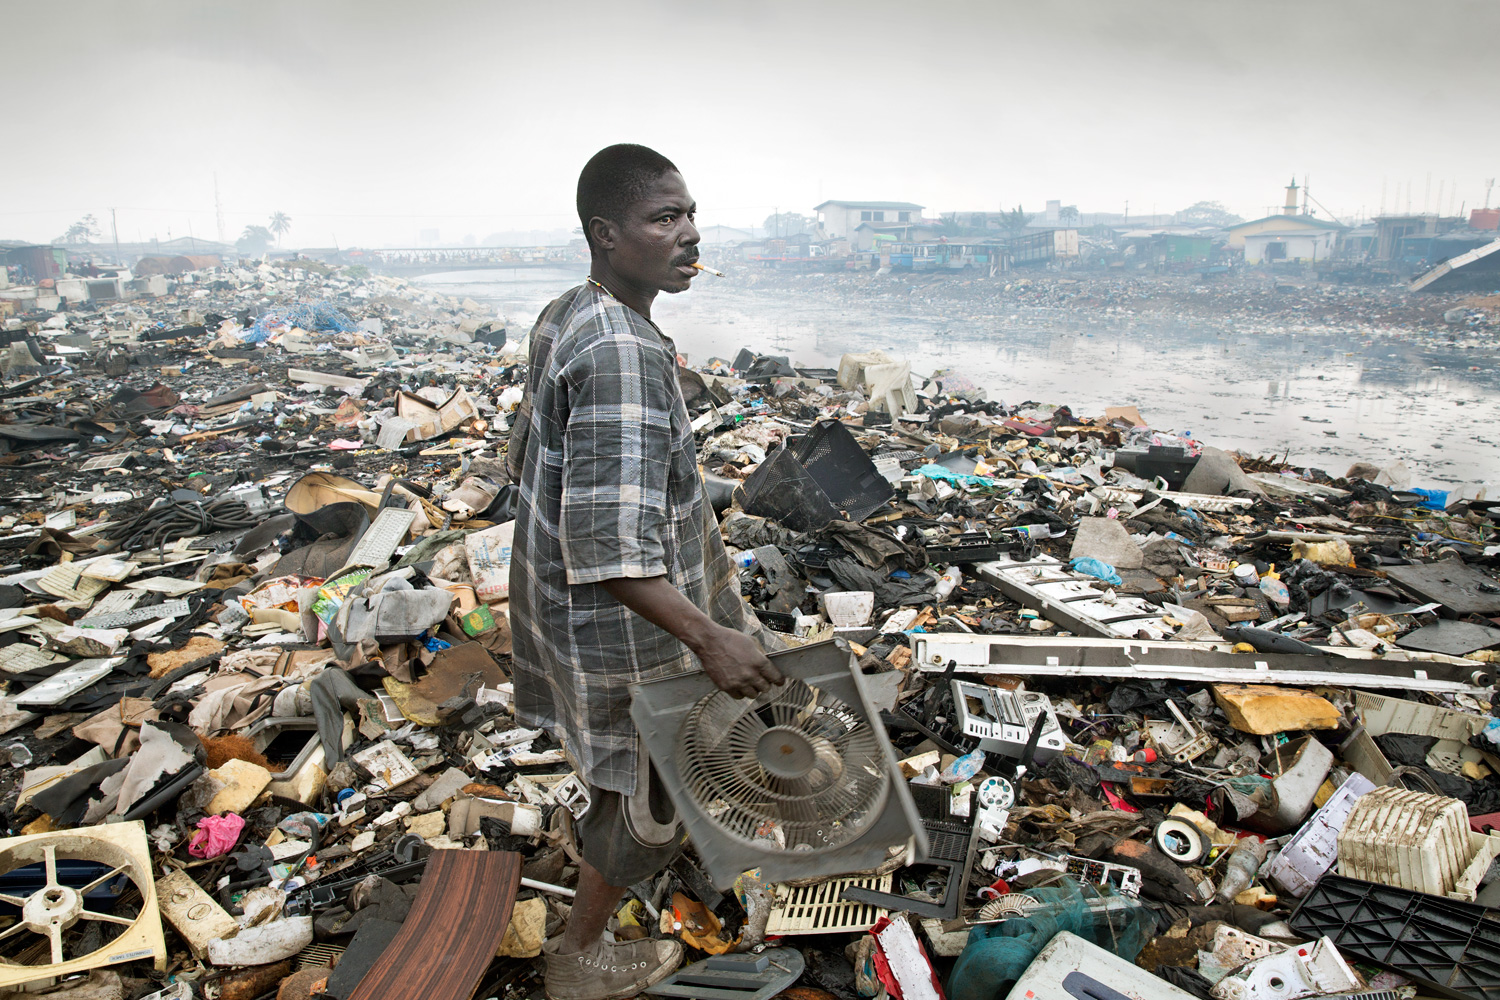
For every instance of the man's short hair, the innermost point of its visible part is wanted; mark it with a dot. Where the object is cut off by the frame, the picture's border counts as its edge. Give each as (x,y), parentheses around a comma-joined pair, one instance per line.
(615,178)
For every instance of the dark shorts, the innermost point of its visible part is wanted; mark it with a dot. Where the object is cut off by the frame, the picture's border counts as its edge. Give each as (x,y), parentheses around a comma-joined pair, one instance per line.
(624,851)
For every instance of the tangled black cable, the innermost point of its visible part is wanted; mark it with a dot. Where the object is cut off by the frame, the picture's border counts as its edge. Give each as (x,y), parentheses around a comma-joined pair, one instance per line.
(167,522)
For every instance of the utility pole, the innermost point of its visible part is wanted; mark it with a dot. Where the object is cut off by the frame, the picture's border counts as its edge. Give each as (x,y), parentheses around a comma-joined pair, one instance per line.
(114,225)
(218,209)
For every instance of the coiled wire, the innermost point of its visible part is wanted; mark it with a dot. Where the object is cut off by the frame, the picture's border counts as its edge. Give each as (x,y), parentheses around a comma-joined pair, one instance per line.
(176,519)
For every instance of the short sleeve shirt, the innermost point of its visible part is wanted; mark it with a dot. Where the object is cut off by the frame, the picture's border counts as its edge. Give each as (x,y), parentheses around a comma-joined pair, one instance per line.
(603,451)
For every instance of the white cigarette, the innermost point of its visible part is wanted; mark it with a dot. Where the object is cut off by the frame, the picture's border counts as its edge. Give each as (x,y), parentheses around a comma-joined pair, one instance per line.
(705,267)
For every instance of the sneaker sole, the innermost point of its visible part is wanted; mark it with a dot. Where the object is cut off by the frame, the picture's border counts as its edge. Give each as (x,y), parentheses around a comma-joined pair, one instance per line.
(633,990)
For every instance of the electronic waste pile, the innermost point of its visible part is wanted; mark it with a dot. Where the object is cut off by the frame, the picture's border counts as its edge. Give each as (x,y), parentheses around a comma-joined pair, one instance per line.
(1080,707)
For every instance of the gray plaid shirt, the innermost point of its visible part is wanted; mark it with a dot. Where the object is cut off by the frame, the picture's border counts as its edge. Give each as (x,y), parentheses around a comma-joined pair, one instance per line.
(609,488)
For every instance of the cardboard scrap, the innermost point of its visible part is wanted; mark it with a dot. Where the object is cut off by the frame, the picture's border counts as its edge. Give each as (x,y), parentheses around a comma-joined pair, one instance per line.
(1127,413)
(196,648)
(431,419)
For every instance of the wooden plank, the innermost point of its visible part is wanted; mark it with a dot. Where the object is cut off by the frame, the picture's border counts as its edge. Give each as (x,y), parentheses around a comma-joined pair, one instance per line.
(453,931)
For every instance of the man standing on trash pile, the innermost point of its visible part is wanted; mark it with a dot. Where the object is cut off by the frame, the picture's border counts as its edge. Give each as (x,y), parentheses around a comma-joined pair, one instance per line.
(618,573)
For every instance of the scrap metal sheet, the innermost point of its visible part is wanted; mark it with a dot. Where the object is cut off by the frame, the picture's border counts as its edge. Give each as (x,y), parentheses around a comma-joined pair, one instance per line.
(1452,583)
(1074,601)
(1195,661)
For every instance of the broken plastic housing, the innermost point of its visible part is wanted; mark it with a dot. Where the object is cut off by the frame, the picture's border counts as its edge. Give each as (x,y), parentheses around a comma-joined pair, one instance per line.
(782,490)
(843,470)
(994,799)
(1121,878)
(1449,947)
(1001,720)
(49,915)
(800,781)
(1414,840)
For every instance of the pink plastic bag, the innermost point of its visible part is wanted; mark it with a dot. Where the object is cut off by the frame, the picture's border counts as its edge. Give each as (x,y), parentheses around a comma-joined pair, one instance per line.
(216,835)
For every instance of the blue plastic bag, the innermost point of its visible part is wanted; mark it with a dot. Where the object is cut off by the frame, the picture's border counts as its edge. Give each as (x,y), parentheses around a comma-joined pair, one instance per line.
(1432,499)
(935,471)
(1098,569)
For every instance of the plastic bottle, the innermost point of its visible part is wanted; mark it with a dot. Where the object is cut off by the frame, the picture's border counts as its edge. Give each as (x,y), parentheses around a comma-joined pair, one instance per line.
(1275,592)
(1244,861)
(745,560)
(950,579)
(963,768)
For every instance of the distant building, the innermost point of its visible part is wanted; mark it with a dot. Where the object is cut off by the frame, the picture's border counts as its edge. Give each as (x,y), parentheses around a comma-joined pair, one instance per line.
(1240,233)
(866,234)
(1358,243)
(187,245)
(1168,245)
(128,253)
(1290,235)
(1424,250)
(977,220)
(1299,243)
(839,219)
(1059,216)
(1115,221)
(1392,232)
(720,235)
(32,263)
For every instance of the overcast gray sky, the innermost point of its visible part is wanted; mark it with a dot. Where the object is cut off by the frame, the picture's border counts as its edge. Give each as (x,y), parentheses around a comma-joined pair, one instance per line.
(369,121)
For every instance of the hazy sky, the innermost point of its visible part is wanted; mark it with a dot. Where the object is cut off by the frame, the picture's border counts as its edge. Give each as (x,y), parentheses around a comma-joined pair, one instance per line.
(369,121)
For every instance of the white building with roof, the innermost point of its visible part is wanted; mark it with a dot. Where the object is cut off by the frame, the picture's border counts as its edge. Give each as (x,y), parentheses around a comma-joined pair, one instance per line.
(839,219)
(1289,243)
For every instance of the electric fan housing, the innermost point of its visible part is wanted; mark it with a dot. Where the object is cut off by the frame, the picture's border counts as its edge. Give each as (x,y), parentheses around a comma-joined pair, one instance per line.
(52,910)
(800,782)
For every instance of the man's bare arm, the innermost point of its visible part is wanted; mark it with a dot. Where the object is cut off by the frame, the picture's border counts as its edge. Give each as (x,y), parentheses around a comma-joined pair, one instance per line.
(731,659)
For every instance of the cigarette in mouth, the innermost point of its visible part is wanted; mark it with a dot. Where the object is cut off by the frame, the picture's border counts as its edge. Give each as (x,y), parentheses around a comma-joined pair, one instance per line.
(704,267)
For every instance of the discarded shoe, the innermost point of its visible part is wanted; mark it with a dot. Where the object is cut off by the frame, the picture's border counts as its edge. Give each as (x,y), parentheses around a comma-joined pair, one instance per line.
(607,971)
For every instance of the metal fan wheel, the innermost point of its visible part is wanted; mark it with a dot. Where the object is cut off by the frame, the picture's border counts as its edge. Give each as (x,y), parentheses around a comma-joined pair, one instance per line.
(1012,904)
(50,912)
(795,768)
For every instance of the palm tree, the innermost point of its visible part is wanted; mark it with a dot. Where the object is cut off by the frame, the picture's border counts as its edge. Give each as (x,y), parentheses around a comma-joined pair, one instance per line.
(280,223)
(1015,221)
(254,240)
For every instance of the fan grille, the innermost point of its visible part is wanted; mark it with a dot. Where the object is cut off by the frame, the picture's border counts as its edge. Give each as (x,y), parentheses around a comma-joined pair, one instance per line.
(795,767)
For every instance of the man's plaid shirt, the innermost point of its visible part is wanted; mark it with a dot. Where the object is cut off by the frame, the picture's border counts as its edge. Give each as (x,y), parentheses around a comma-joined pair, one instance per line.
(609,488)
